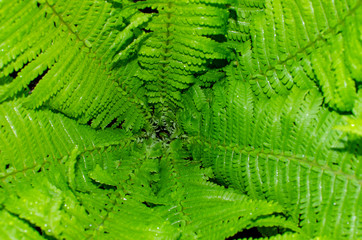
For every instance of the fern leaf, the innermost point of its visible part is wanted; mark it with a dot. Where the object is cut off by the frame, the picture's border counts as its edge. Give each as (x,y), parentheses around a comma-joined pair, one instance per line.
(242,13)
(282,38)
(24,132)
(354,123)
(282,237)
(179,45)
(337,85)
(69,45)
(13,228)
(202,209)
(47,181)
(279,150)
(262,96)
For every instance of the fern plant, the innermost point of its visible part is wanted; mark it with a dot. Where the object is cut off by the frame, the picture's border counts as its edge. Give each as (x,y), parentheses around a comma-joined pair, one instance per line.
(187,119)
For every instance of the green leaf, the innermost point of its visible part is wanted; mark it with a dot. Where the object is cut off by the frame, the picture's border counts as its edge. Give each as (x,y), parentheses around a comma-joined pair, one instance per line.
(285,150)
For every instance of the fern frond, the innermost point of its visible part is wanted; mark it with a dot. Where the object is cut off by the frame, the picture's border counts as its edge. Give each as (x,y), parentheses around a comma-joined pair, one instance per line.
(99,214)
(257,95)
(202,209)
(49,165)
(334,77)
(242,13)
(24,132)
(180,44)
(71,46)
(353,126)
(282,237)
(283,150)
(13,228)
(354,123)
(352,44)
(282,38)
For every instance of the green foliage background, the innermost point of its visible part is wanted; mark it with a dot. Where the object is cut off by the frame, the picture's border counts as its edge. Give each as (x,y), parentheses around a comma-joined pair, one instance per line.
(185,119)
